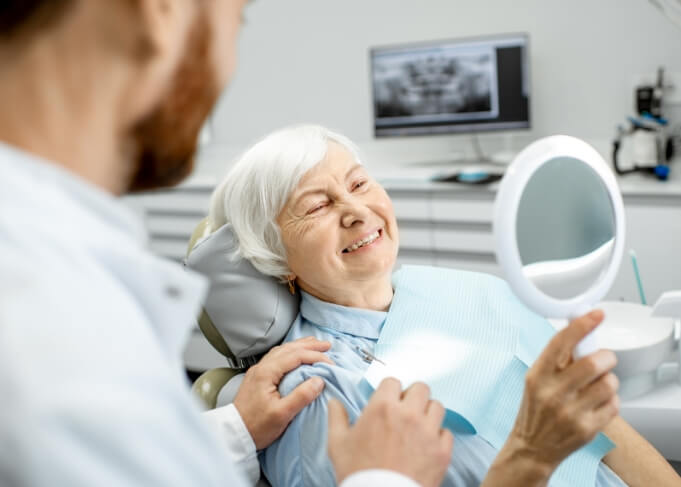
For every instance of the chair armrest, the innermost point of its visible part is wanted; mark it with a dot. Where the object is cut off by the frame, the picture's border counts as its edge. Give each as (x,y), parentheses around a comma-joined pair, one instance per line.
(208,385)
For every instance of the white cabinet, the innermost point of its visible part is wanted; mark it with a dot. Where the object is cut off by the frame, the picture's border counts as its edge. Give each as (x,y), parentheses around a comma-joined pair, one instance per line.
(444,225)
(450,225)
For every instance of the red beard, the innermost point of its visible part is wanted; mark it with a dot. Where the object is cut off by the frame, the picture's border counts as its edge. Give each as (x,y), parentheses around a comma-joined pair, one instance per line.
(166,140)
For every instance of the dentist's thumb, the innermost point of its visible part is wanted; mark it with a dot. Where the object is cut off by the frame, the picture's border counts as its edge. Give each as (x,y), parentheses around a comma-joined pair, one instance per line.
(301,396)
(339,423)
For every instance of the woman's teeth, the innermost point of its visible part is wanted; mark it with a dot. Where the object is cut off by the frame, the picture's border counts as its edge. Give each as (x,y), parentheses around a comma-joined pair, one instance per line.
(364,242)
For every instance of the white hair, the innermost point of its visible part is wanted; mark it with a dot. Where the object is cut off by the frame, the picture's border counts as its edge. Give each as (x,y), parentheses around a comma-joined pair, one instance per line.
(256,189)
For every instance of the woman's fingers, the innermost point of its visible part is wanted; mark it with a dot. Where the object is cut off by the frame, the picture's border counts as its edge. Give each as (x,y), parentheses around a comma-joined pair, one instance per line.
(589,422)
(586,370)
(598,393)
(606,413)
(565,341)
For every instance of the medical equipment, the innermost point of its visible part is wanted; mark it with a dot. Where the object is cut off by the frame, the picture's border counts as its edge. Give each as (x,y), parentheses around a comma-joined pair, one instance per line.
(651,147)
(461,85)
(646,345)
(559,229)
(649,97)
(452,86)
(668,305)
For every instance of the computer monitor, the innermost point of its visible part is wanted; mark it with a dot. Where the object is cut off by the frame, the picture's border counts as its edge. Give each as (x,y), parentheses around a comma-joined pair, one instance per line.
(441,87)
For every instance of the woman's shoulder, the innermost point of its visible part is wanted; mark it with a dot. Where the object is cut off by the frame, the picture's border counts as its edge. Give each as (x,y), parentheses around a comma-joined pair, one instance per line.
(302,373)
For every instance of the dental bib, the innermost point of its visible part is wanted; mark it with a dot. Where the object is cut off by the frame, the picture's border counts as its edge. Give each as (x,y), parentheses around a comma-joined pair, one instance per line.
(472,341)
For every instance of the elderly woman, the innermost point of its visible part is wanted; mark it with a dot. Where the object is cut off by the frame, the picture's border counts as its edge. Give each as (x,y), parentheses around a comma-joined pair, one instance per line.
(305,210)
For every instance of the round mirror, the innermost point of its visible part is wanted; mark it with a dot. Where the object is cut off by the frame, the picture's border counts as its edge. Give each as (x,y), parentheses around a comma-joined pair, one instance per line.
(559,228)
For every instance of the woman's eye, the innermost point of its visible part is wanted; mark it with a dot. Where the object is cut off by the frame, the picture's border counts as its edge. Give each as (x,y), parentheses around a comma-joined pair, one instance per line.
(358,185)
(316,208)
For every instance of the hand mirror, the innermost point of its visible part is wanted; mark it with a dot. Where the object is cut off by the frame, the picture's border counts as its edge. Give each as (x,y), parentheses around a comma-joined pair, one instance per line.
(559,229)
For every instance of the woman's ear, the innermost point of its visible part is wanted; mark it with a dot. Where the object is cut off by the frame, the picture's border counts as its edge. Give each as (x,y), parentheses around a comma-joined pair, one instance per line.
(291,278)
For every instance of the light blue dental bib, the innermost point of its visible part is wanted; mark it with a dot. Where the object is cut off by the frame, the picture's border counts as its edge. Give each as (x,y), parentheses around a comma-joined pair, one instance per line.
(471,340)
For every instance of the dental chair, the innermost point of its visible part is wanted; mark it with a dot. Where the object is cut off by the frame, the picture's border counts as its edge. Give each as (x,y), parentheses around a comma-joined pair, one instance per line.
(245,313)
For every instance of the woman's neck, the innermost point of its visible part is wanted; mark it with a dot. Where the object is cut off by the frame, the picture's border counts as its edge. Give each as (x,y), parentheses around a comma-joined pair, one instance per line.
(376,296)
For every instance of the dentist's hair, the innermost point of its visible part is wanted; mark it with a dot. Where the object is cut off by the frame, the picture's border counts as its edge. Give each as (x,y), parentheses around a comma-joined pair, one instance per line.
(27,18)
(256,189)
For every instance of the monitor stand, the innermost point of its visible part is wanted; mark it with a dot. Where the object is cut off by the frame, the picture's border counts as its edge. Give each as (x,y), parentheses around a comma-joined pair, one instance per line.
(480,169)
(499,159)
(478,157)
(477,148)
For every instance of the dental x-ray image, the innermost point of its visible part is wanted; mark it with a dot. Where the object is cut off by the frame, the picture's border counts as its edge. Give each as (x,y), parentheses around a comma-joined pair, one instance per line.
(436,84)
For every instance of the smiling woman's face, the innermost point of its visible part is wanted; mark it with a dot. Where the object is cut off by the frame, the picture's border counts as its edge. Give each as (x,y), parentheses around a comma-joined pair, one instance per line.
(339,230)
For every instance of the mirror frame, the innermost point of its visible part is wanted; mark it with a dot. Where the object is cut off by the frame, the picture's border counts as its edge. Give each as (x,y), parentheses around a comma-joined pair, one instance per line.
(506,206)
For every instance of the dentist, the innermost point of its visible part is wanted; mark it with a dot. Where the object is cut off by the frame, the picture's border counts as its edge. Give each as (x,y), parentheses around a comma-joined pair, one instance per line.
(98,98)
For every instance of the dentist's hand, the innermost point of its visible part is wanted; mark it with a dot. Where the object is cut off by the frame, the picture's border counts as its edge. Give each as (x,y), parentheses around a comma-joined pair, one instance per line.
(264,412)
(565,404)
(398,431)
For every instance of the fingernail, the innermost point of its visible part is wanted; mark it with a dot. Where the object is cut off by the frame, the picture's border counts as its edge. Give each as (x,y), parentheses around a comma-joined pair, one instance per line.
(596,314)
(607,359)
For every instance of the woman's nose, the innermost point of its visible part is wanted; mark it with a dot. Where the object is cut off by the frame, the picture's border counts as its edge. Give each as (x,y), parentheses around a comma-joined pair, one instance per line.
(353,213)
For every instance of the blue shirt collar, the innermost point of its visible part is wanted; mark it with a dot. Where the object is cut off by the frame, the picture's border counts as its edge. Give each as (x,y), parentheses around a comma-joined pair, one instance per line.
(354,321)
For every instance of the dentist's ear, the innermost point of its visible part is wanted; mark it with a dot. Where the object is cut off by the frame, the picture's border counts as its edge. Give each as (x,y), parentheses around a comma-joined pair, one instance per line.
(153,36)
(164,25)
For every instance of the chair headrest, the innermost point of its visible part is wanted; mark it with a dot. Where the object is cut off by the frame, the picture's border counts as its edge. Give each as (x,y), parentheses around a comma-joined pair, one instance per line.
(252,312)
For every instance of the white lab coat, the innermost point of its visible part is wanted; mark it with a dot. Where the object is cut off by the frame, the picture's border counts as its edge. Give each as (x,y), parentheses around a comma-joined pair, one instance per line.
(92,326)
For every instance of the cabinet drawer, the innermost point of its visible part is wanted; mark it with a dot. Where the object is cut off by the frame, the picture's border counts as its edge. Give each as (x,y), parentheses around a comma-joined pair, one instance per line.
(415,235)
(177,202)
(462,210)
(462,240)
(411,208)
(180,226)
(414,257)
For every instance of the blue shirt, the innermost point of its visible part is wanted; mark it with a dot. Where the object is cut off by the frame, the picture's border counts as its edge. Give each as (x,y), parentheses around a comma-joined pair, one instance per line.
(299,457)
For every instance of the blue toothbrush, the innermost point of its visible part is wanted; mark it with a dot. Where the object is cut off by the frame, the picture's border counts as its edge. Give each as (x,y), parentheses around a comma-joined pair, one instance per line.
(634,263)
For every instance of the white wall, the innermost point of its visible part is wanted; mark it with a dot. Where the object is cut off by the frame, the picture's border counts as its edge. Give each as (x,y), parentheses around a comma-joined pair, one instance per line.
(307,61)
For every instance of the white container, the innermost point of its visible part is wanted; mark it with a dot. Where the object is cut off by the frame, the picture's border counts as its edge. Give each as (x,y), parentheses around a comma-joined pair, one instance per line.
(645,346)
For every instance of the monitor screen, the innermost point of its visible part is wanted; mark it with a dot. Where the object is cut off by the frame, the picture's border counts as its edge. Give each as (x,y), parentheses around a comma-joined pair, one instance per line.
(466,85)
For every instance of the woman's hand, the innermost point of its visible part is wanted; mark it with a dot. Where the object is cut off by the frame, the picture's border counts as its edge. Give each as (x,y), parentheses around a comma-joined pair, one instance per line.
(565,404)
